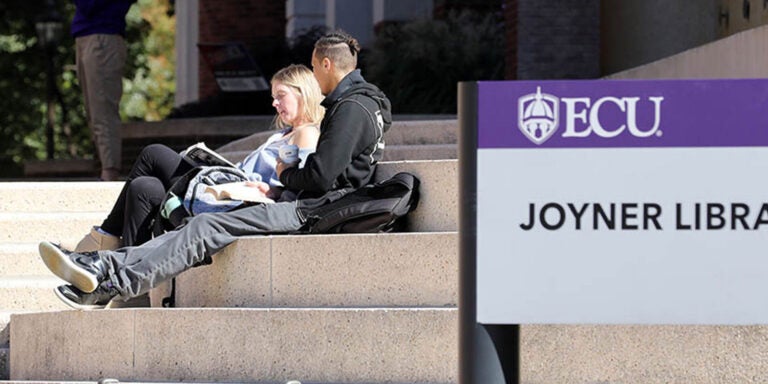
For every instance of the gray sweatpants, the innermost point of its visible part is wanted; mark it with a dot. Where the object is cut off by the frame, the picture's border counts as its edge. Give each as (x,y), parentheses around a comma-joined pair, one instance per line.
(136,270)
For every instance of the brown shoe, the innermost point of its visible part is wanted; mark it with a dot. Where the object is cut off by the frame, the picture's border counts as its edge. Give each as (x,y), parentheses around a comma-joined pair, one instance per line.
(94,241)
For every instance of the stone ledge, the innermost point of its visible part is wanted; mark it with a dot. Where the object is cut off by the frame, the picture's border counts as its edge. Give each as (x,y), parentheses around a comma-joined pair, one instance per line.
(62,168)
(438,209)
(228,126)
(48,196)
(241,345)
(364,346)
(30,294)
(33,227)
(21,260)
(363,270)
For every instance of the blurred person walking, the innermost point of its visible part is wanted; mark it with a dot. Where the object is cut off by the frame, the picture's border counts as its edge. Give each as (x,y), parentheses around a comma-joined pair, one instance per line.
(99,29)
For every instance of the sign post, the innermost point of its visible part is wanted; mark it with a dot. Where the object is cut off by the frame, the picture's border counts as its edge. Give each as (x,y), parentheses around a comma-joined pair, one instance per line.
(233,67)
(609,202)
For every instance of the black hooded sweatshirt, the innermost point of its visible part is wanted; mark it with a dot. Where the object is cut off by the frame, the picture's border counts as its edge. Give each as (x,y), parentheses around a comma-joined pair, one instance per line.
(351,140)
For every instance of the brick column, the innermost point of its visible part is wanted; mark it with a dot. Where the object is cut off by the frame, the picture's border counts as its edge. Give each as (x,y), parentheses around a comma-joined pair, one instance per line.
(259,24)
(558,39)
(510,28)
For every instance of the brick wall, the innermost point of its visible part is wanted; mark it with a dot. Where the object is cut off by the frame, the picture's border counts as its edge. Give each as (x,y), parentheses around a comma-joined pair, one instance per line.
(442,7)
(558,39)
(260,24)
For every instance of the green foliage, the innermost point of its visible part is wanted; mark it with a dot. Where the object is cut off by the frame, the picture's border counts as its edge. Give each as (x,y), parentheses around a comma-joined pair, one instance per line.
(418,64)
(22,84)
(148,84)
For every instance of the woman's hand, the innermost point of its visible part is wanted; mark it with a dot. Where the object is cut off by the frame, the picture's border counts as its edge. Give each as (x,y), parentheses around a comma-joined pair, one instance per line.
(271,192)
(260,185)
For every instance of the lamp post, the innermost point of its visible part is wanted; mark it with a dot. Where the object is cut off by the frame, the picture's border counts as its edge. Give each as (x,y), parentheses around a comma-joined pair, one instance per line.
(49,32)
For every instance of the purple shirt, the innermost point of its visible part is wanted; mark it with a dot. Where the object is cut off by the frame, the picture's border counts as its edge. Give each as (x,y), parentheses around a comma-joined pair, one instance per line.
(100,17)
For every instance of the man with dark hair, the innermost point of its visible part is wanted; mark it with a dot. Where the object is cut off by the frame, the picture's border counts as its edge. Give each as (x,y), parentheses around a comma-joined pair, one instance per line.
(349,146)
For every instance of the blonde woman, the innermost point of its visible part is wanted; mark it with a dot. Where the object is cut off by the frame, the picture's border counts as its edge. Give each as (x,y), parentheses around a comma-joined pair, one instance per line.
(296,97)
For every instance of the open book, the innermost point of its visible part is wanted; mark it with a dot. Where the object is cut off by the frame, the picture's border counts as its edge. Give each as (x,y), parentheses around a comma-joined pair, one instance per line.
(199,154)
(238,191)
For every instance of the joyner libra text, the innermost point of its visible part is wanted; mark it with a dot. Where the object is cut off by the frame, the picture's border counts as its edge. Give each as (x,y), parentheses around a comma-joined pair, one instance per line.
(646,216)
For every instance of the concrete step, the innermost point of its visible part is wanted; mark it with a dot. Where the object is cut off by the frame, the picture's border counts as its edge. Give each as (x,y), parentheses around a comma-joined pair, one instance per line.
(438,207)
(35,227)
(421,152)
(643,354)
(241,345)
(5,326)
(30,293)
(223,126)
(401,133)
(283,381)
(437,210)
(58,196)
(62,169)
(423,132)
(21,260)
(273,346)
(181,133)
(395,270)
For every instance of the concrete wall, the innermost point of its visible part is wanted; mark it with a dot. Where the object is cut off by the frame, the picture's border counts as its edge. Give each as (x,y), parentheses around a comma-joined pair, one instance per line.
(743,55)
(636,32)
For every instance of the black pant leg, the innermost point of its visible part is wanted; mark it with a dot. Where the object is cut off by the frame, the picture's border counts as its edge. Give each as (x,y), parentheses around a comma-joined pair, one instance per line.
(142,201)
(155,160)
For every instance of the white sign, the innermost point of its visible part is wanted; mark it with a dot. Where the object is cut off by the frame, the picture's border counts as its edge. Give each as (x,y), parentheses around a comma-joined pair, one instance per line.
(658,216)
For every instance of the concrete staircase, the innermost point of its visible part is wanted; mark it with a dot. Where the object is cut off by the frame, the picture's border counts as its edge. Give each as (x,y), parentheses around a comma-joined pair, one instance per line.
(328,309)
(30,212)
(33,211)
(320,309)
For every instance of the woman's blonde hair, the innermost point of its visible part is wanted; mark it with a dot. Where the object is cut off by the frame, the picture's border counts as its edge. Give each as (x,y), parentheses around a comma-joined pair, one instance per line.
(301,79)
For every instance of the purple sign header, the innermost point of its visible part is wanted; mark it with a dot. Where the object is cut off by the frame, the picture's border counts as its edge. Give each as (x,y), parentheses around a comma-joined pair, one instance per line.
(623,113)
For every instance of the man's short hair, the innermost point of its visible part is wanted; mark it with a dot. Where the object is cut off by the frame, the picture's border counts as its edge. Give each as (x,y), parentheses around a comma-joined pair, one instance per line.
(340,48)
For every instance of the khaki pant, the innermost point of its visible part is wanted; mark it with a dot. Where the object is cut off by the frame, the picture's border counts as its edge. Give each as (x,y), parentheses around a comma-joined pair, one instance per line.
(100,65)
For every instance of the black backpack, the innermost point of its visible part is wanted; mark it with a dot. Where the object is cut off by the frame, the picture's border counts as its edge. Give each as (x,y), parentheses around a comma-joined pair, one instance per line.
(379,207)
